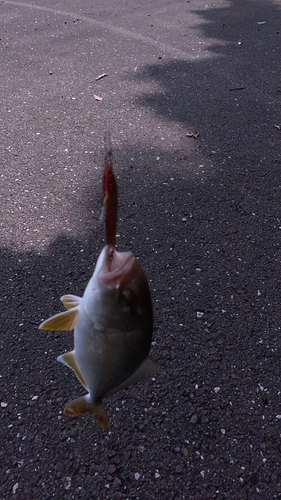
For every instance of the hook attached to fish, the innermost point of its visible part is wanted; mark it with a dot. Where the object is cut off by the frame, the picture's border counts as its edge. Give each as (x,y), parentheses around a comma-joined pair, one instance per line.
(112,322)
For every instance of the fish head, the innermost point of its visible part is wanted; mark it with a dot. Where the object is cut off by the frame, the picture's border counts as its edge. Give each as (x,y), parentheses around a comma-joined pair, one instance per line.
(112,266)
(118,301)
(120,272)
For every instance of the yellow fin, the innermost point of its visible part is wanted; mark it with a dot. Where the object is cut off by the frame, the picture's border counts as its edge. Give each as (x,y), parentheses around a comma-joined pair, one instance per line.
(68,359)
(70,301)
(62,321)
(82,405)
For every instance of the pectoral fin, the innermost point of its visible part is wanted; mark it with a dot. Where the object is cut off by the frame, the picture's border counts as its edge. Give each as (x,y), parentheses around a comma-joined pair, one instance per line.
(148,367)
(83,405)
(62,321)
(68,359)
(70,301)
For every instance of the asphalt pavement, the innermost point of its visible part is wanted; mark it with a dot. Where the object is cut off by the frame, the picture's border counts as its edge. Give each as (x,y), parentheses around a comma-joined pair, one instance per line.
(191,93)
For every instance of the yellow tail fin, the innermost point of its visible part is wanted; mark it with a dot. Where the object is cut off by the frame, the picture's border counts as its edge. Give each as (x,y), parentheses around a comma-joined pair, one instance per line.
(82,405)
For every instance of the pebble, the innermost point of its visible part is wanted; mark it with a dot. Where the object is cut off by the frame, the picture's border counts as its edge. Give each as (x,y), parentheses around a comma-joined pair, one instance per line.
(111,469)
(137,475)
(15,487)
(116,460)
(194,419)
(117,482)
(204,419)
(111,453)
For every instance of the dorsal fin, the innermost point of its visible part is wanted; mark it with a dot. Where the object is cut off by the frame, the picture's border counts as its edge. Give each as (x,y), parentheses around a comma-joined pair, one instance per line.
(70,301)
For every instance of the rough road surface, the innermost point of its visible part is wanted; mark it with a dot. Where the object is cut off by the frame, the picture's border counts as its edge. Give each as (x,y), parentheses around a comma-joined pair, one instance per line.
(201,214)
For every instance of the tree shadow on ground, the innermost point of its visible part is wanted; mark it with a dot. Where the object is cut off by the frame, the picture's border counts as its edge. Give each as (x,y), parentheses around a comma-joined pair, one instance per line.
(232,98)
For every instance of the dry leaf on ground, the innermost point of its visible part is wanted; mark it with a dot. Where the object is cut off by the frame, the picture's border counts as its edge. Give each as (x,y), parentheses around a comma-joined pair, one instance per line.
(192,134)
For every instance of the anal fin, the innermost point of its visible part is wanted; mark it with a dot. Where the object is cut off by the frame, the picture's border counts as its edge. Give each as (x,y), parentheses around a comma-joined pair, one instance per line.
(83,405)
(62,321)
(68,359)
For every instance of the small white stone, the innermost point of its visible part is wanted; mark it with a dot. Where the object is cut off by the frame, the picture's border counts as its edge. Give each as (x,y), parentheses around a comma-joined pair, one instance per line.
(199,314)
(217,389)
(223,431)
(157,475)
(15,487)
(137,475)
(68,483)
(3,405)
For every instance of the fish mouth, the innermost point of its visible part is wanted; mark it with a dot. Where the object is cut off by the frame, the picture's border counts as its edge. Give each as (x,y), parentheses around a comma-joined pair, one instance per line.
(115,266)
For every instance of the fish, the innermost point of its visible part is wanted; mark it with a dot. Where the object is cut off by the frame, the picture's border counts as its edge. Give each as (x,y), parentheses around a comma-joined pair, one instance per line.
(112,322)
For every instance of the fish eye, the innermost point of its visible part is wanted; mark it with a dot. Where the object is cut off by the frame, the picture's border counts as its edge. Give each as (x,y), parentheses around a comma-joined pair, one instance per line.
(125,297)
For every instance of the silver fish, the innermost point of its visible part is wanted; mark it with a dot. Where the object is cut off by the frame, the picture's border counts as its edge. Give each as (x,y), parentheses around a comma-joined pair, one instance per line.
(112,331)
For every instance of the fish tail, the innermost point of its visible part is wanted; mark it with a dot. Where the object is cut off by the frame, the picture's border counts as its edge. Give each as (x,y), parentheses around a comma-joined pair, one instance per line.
(83,405)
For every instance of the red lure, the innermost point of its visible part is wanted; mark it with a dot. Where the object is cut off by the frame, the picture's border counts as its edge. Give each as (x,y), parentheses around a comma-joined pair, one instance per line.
(110,196)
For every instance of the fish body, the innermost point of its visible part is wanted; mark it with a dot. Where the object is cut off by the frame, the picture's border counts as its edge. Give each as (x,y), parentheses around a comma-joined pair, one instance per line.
(113,325)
